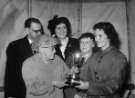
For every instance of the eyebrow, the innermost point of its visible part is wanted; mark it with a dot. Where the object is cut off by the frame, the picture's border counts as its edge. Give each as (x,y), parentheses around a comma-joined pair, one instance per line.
(44,47)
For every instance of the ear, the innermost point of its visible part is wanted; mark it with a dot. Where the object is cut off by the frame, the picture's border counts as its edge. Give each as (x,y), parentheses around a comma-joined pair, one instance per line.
(27,30)
(93,44)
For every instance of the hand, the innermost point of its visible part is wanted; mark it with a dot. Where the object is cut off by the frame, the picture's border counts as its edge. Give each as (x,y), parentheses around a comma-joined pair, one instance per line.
(51,90)
(74,69)
(77,96)
(38,88)
(132,96)
(133,92)
(83,85)
(59,84)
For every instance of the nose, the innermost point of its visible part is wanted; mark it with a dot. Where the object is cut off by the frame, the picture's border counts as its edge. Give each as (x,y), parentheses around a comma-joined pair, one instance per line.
(39,33)
(54,50)
(62,29)
(96,38)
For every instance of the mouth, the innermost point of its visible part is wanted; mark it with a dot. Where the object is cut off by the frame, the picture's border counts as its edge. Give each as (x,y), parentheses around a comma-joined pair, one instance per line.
(84,49)
(98,42)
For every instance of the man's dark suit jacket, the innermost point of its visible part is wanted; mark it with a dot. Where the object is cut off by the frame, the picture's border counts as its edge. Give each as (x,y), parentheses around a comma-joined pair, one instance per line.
(17,51)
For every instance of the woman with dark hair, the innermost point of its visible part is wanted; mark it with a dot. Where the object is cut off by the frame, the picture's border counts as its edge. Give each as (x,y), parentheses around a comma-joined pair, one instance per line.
(110,31)
(56,21)
(60,27)
(106,70)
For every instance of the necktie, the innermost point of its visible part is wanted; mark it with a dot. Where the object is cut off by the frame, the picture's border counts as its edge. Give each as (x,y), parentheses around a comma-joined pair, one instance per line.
(33,47)
(82,62)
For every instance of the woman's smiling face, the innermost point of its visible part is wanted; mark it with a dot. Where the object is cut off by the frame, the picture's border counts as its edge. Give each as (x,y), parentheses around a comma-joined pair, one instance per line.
(101,39)
(61,31)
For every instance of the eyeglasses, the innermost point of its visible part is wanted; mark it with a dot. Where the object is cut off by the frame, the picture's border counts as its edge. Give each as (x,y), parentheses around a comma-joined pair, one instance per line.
(49,47)
(36,31)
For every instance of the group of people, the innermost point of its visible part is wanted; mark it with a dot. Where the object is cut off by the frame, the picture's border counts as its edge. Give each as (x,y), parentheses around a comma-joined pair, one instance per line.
(38,65)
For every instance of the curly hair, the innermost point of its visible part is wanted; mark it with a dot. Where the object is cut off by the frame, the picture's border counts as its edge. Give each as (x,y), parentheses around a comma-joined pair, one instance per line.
(45,41)
(91,36)
(56,21)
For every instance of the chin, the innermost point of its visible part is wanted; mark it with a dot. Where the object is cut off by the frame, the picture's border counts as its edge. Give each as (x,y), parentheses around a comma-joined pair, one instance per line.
(52,57)
(99,45)
(85,51)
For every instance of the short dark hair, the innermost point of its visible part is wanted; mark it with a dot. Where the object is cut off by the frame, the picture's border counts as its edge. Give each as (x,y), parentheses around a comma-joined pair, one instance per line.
(110,31)
(87,35)
(91,36)
(56,21)
(27,23)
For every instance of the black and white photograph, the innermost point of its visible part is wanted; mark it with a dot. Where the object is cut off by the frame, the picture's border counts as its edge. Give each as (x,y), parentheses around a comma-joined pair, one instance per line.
(67,49)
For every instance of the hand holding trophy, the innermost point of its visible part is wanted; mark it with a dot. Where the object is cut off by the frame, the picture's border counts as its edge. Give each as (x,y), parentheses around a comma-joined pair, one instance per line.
(75,70)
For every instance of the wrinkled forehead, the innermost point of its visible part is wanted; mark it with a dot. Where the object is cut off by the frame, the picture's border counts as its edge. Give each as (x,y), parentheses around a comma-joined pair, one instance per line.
(50,48)
(47,44)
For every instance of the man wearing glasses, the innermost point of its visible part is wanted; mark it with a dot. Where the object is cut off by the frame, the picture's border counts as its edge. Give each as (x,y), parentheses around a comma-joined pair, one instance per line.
(18,51)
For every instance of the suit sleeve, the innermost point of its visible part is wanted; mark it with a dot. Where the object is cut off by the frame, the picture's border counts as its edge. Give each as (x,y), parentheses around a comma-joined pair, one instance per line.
(11,68)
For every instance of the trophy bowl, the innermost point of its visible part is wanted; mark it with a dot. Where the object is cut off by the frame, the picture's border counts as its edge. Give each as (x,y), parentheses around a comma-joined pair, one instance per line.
(74,75)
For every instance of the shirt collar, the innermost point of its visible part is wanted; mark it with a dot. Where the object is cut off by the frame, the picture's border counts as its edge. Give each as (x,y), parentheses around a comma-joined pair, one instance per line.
(64,41)
(30,41)
(107,50)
